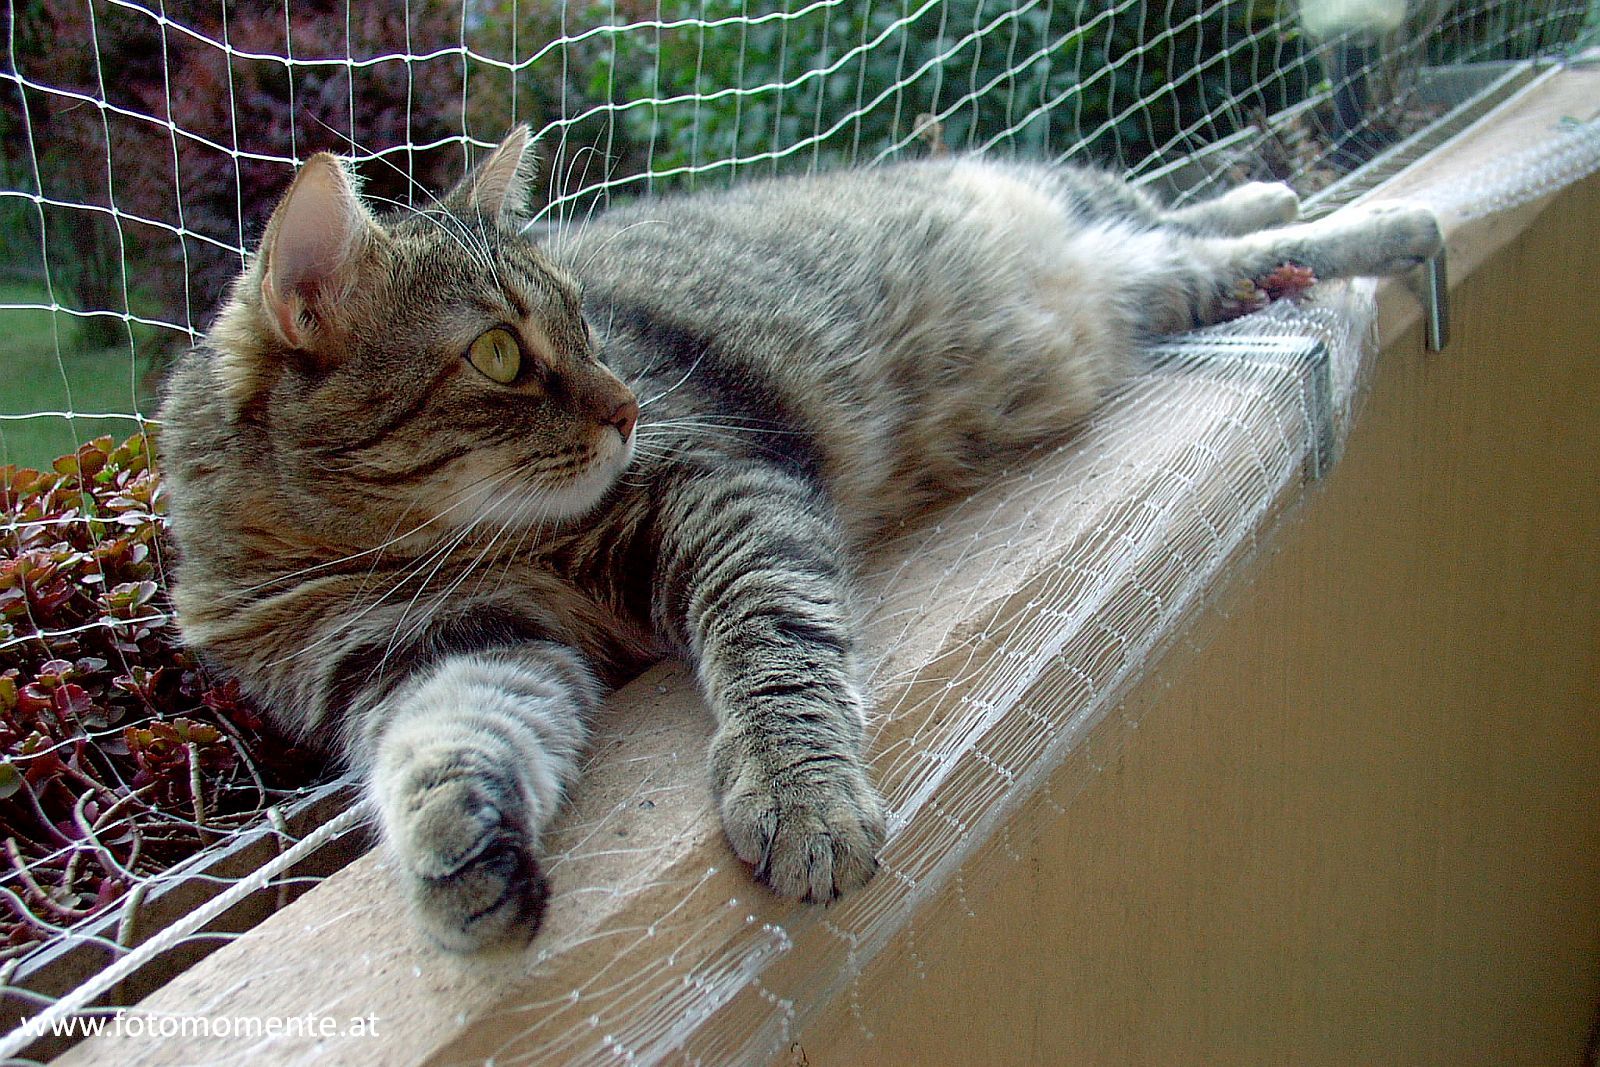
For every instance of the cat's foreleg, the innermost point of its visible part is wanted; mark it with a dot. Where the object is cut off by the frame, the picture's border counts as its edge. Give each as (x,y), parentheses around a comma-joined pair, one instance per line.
(751,579)
(469,761)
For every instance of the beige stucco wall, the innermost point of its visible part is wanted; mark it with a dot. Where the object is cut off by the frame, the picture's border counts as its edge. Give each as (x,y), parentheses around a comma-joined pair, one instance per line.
(1359,820)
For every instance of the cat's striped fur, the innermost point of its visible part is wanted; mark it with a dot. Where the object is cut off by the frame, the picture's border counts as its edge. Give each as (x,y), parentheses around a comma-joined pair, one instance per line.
(436,575)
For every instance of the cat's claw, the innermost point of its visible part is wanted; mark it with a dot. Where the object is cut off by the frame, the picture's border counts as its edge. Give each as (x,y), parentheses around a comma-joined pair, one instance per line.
(812,832)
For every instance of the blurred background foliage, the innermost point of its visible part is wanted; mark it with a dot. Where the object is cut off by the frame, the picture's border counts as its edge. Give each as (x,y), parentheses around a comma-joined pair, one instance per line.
(141,153)
(1104,80)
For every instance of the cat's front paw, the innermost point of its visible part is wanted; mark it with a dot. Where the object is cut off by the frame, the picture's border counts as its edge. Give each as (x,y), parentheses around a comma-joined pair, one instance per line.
(467,862)
(810,826)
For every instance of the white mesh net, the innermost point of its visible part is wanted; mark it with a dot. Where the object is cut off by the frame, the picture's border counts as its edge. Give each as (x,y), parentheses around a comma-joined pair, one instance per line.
(143,147)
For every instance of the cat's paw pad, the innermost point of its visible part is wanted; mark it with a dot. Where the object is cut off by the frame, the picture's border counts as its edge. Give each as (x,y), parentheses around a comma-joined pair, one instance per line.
(811,831)
(472,877)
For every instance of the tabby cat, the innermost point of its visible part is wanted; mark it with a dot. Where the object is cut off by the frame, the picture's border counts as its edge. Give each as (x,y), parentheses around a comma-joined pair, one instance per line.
(437,488)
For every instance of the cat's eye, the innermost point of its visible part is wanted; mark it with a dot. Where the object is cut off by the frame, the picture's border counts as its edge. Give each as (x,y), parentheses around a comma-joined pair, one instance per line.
(497,354)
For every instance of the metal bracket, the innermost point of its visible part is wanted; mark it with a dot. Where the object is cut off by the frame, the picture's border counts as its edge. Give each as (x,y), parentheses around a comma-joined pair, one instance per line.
(1436,301)
(1305,364)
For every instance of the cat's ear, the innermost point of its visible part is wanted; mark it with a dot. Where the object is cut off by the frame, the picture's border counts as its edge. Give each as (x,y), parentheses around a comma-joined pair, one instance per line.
(313,250)
(499,187)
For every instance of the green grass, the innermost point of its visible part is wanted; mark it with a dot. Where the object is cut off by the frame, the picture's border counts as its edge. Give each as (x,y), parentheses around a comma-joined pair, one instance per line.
(47,364)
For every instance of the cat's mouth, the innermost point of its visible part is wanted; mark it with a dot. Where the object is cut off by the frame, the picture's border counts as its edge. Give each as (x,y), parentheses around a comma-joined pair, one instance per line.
(481,491)
(589,485)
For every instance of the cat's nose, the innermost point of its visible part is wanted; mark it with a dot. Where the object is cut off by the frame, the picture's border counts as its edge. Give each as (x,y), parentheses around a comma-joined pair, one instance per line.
(624,418)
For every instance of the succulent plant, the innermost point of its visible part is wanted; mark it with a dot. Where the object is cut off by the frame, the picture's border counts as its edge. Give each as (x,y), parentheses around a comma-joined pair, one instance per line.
(122,756)
(1286,282)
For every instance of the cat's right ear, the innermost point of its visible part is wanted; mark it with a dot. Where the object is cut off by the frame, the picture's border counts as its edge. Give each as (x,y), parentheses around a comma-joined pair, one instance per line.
(499,187)
(312,251)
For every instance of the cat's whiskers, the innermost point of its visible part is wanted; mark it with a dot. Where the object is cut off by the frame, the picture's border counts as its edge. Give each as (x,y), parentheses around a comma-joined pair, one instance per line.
(509,558)
(452,538)
(481,488)
(604,244)
(376,551)
(726,422)
(559,176)
(594,204)
(361,611)
(676,385)
(705,430)
(471,246)
(534,524)
(706,437)
(403,634)
(446,551)
(647,447)
(558,196)
(476,568)
(586,153)
(606,178)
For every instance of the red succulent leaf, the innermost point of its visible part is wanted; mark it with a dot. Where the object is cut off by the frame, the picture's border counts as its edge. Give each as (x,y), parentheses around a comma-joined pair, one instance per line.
(53,672)
(125,600)
(108,891)
(33,698)
(1289,281)
(39,756)
(71,701)
(80,574)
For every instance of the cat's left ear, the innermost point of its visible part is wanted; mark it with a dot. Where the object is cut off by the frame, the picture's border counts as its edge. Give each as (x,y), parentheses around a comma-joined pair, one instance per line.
(499,187)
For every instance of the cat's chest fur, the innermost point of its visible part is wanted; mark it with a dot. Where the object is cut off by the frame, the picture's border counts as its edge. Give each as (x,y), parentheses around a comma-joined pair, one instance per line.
(586,586)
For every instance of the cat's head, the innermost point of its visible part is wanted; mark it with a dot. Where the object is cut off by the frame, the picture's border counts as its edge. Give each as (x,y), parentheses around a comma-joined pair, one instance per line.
(421,364)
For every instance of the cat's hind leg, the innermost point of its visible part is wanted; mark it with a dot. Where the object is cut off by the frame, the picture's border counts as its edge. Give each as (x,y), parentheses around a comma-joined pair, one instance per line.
(1098,195)
(472,758)
(1243,210)
(1366,240)
(1186,282)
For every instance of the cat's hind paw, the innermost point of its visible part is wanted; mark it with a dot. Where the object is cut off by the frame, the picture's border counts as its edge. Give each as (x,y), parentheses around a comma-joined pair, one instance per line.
(1386,237)
(1258,205)
(812,831)
(1245,210)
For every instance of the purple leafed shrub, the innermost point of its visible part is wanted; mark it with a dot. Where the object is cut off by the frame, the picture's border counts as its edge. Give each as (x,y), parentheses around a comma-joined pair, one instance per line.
(121,755)
(218,73)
